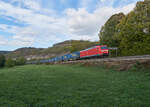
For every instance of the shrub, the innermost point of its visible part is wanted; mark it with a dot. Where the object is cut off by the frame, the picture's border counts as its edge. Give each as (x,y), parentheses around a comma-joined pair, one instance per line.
(2,61)
(9,62)
(21,61)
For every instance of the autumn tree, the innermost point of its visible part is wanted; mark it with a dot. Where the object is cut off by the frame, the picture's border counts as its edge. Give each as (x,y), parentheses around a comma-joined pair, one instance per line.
(107,31)
(133,32)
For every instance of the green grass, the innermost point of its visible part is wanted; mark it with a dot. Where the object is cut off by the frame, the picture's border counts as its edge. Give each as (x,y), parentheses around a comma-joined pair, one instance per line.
(72,86)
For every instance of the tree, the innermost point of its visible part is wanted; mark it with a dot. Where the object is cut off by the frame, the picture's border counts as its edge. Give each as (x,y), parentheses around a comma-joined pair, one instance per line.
(2,61)
(9,62)
(133,32)
(107,32)
(21,61)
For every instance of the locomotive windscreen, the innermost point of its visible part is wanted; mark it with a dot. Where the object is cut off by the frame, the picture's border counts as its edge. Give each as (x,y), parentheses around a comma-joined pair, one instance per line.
(104,47)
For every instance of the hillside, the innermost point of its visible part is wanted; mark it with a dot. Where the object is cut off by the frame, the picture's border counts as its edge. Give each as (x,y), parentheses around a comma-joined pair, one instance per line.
(24,52)
(56,50)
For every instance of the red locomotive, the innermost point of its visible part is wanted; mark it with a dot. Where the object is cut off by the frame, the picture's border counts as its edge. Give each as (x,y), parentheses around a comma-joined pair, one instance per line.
(96,51)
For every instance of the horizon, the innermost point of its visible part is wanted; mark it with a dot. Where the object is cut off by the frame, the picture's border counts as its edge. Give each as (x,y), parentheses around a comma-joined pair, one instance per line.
(43,23)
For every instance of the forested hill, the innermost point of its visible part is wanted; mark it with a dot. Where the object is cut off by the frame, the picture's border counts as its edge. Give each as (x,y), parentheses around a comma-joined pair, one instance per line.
(130,33)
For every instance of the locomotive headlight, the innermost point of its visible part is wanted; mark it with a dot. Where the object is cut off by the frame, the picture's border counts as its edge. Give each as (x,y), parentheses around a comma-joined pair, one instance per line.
(104,50)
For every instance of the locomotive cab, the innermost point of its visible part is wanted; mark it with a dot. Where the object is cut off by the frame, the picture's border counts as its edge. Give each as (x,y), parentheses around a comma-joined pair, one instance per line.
(104,50)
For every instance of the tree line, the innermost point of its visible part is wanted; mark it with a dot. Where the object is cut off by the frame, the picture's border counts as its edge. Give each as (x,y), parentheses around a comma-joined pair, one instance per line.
(9,62)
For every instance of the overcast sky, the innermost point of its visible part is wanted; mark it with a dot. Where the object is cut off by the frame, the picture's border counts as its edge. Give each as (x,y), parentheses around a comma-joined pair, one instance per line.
(42,23)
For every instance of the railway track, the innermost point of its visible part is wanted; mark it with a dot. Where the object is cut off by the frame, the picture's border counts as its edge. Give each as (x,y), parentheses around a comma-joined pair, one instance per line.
(113,59)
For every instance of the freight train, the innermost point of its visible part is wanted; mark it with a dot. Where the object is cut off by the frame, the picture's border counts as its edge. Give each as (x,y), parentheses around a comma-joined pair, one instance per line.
(95,51)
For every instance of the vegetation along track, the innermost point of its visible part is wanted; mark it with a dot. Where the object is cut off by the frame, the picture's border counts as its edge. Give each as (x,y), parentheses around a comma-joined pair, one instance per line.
(124,63)
(125,58)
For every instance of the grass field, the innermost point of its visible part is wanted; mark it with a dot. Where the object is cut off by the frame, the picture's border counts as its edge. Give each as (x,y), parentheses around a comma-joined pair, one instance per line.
(72,86)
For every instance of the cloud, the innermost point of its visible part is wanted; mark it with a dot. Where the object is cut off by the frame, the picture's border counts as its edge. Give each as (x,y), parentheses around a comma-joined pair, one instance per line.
(43,27)
(82,23)
(3,41)
(102,0)
(38,25)
(126,9)
(32,5)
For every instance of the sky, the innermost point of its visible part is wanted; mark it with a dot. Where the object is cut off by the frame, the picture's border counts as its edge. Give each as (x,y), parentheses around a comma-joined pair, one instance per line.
(42,23)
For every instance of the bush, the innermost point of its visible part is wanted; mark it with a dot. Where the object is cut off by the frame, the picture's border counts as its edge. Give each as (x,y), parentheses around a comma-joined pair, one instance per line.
(2,61)
(21,61)
(9,62)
